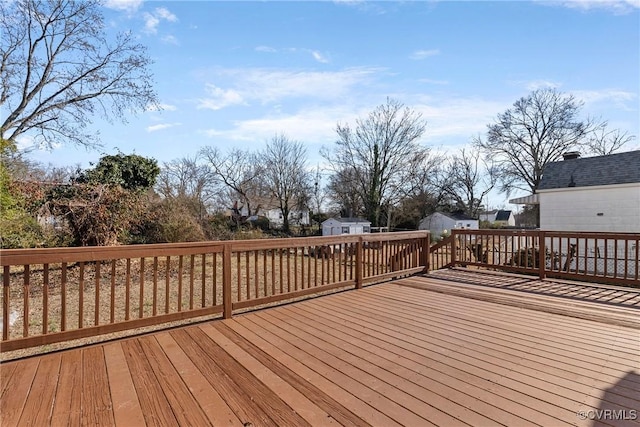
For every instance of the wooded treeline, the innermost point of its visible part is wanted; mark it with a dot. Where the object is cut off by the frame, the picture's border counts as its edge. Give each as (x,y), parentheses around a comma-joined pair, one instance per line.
(377,169)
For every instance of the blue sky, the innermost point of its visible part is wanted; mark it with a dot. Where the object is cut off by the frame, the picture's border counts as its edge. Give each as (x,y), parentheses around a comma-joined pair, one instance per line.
(236,73)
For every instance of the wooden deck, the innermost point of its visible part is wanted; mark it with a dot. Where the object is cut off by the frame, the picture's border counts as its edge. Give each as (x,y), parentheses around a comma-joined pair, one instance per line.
(420,351)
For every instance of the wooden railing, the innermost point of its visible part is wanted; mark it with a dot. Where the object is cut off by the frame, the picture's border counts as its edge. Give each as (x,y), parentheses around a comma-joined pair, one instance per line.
(441,254)
(54,295)
(599,257)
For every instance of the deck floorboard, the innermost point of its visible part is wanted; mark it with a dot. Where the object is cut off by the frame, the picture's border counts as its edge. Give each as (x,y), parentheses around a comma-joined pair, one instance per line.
(456,348)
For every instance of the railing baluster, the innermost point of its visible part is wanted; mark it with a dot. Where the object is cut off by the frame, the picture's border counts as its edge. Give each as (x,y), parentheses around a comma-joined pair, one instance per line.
(63,297)
(265,283)
(288,270)
(302,269)
(112,302)
(226,282)
(25,307)
(215,279)
(180,261)
(192,267)
(154,309)
(203,291)
(246,271)
(273,272)
(295,270)
(239,277)
(127,290)
(141,283)
(167,275)
(255,273)
(45,300)
(280,271)
(96,320)
(81,297)
(615,258)
(6,281)
(637,267)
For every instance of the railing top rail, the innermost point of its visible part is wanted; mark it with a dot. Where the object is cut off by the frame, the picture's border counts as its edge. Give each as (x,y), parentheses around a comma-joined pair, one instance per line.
(444,242)
(592,234)
(508,232)
(523,232)
(100,253)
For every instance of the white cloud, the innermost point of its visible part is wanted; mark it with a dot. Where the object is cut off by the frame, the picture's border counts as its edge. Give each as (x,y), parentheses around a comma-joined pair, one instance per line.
(161,126)
(448,119)
(169,39)
(541,84)
(220,98)
(457,118)
(162,107)
(129,6)
(267,49)
(163,12)
(618,98)
(618,7)
(152,20)
(422,54)
(272,85)
(434,82)
(319,57)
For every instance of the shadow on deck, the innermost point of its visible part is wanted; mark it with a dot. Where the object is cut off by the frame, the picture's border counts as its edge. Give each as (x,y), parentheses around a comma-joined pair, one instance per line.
(450,348)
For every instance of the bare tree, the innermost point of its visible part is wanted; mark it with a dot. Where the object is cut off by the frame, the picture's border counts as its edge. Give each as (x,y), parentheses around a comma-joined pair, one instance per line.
(603,141)
(58,67)
(379,154)
(319,192)
(537,130)
(286,174)
(239,171)
(468,179)
(189,183)
(344,193)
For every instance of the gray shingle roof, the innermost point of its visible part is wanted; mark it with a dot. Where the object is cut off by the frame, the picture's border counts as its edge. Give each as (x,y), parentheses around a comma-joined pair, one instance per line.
(345,220)
(621,168)
(458,216)
(503,215)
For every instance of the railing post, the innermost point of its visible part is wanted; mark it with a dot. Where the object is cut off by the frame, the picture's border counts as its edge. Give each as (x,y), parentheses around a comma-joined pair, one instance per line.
(426,256)
(359,263)
(454,247)
(542,258)
(226,281)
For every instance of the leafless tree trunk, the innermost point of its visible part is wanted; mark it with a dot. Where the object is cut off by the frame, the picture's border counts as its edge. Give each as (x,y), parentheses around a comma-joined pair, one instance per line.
(286,174)
(240,171)
(537,130)
(468,179)
(58,68)
(603,141)
(189,183)
(379,155)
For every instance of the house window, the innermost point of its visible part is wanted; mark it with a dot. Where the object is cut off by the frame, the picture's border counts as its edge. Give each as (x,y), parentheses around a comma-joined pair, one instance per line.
(366,229)
(345,230)
(468,225)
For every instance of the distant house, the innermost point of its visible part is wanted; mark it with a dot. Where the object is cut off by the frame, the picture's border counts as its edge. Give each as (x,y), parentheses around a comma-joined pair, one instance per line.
(499,218)
(590,194)
(438,222)
(337,226)
(267,208)
(299,217)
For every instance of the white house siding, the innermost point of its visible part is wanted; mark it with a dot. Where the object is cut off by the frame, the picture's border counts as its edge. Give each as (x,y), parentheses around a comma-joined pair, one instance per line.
(295,217)
(611,208)
(334,227)
(437,223)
